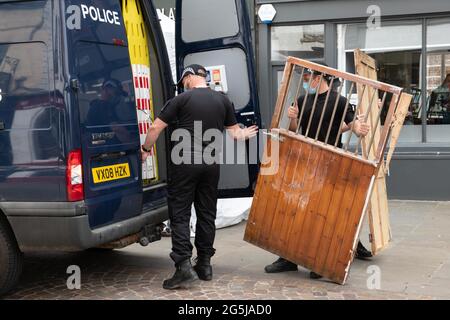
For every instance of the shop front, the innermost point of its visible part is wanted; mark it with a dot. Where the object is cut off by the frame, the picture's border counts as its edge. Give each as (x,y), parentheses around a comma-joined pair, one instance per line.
(410,41)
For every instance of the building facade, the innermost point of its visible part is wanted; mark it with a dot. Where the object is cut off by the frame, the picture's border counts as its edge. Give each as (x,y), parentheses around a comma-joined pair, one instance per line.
(409,39)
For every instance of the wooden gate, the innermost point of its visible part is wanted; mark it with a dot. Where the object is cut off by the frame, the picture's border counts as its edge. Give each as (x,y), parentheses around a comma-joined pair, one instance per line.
(310,210)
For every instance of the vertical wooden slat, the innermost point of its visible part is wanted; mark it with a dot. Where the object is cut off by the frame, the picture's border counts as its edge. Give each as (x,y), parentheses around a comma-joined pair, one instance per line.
(317,181)
(286,193)
(263,187)
(341,222)
(311,155)
(387,129)
(264,211)
(273,200)
(346,250)
(400,115)
(322,210)
(292,193)
(332,214)
(282,95)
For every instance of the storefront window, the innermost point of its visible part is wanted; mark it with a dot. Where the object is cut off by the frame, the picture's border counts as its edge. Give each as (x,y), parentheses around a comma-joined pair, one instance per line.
(438,80)
(397,49)
(306,42)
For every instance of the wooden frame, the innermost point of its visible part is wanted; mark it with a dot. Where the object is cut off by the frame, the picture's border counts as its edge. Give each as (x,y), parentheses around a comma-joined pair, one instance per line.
(311,210)
(378,210)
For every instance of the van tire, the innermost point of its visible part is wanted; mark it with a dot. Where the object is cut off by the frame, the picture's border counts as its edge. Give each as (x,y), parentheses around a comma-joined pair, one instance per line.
(11,258)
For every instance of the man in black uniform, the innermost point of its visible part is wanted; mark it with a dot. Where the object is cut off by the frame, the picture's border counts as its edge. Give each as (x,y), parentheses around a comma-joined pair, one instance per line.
(195,181)
(360,128)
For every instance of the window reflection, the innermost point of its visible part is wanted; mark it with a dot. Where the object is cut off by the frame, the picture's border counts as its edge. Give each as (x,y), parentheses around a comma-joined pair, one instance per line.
(107,94)
(438,72)
(24,82)
(305,42)
(396,48)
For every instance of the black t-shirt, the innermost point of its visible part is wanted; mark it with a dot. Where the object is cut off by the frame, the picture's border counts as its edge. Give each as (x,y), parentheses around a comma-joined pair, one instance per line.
(327,116)
(213,109)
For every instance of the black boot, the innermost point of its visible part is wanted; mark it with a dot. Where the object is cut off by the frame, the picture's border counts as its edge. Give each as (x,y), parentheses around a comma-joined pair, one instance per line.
(183,277)
(315,276)
(281,265)
(362,253)
(203,268)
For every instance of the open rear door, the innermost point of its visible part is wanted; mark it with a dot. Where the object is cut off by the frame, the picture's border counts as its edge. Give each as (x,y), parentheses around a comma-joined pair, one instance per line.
(217,35)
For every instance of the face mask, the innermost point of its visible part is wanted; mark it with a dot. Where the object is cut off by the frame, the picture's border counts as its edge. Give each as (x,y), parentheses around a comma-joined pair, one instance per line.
(309,89)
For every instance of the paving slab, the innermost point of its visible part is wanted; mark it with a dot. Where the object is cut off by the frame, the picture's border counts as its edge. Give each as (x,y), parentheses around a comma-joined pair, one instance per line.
(415,266)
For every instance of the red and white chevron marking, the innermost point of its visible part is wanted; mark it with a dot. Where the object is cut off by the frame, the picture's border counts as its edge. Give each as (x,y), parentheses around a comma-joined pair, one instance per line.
(141,76)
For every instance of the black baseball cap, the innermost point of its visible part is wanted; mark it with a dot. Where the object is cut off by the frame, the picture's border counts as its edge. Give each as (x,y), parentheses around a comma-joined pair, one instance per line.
(314,72)
(317,73)
(194,69)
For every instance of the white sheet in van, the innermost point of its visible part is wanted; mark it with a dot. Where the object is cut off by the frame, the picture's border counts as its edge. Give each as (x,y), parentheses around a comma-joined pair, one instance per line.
(230,212)
(168,29)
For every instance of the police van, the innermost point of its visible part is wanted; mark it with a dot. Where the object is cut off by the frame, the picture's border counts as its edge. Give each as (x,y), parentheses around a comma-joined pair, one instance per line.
(80,83)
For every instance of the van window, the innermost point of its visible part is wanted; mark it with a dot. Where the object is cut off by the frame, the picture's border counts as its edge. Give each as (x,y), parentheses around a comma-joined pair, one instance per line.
(106,94)
(200,22)
(24,86)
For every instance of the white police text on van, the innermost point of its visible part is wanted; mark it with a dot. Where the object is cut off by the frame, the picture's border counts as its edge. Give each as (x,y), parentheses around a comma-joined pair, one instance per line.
(78,13)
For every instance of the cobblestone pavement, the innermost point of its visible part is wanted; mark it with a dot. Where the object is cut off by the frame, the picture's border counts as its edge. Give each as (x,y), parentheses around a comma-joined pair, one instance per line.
(417,266)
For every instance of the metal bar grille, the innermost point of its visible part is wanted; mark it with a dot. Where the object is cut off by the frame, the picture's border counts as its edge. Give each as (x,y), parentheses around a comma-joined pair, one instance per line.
(329,110)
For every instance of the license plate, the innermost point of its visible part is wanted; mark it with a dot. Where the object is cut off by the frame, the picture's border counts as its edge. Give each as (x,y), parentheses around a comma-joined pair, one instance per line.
(111,173)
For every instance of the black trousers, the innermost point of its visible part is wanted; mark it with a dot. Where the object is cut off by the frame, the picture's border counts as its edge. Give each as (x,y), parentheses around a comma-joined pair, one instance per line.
(196,184)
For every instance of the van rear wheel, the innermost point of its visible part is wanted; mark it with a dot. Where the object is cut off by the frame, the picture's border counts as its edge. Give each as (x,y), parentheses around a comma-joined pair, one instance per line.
(11,259)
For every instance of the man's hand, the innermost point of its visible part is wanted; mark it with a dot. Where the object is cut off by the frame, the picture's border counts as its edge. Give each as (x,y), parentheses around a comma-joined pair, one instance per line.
(144,155)
(243,133)
(380,104)
(361,127)
(293,111)
(247,133)
(153,133)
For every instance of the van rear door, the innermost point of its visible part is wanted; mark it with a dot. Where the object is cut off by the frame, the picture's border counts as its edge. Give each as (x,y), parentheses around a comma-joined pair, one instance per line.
(103,82)
(217,35)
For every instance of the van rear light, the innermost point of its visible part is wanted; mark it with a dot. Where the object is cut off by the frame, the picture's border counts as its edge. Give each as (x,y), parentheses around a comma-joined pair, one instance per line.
(74,176)
(119,42)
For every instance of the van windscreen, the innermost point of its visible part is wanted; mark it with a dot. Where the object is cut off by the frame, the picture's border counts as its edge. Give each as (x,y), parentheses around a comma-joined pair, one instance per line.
(106,94)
